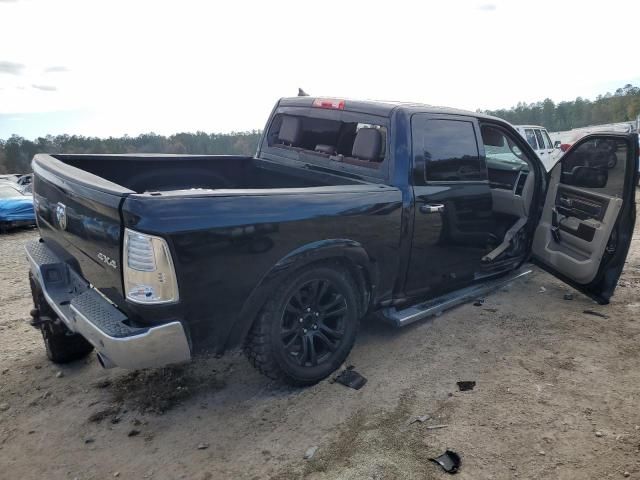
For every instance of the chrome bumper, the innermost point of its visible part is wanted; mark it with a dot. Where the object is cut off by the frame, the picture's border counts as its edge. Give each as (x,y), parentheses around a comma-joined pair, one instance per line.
(87,312)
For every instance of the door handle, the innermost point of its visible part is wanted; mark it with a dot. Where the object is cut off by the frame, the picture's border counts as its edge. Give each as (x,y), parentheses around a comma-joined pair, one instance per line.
(432,208)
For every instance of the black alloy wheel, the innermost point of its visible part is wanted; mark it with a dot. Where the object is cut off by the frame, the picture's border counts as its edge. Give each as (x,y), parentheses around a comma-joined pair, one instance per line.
(313,322)
(308,327)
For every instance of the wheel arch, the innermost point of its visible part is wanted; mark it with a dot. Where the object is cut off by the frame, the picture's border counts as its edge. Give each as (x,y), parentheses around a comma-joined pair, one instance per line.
(349,254)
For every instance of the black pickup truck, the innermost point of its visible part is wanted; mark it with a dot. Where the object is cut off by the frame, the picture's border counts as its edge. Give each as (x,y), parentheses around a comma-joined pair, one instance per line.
(347,208)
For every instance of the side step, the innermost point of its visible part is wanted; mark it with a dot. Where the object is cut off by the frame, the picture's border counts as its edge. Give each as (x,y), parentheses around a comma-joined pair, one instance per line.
(437,305)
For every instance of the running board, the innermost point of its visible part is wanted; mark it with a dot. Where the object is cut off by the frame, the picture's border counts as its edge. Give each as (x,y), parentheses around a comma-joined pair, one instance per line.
(437,305)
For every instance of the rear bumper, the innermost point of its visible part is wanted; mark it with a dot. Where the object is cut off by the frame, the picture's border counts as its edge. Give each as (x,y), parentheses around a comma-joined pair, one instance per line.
(87,312)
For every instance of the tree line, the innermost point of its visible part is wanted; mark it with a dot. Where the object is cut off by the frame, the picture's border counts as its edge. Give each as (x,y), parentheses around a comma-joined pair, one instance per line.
(621,106)
(17,152)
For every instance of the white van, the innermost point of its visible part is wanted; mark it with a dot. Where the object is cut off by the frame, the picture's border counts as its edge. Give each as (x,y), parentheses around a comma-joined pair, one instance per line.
(539,139)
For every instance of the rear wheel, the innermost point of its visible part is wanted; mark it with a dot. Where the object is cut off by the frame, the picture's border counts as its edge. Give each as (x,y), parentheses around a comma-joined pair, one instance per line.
(61,344)
(308,328)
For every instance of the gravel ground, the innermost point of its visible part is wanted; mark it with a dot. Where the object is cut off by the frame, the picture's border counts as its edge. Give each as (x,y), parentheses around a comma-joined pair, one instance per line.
(556,397)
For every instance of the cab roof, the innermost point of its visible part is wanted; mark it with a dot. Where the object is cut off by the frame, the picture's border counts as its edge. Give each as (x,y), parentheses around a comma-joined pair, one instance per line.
(382,107)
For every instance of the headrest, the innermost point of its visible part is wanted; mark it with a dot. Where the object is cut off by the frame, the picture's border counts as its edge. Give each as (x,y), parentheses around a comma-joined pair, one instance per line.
(367,144)
(290,130)
(322,148)
(492,136)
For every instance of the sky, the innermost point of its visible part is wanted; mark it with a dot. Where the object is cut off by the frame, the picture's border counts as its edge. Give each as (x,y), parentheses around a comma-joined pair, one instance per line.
(111,68)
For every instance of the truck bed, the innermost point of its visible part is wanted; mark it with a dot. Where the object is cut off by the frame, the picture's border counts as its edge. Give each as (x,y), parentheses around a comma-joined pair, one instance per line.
(151,173)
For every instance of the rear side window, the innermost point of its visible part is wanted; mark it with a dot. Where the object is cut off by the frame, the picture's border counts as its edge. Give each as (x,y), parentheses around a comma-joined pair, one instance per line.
(531,138)
(450,151)
(539,137)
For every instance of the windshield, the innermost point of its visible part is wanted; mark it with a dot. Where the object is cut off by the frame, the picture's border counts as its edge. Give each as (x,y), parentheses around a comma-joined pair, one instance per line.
(505,157)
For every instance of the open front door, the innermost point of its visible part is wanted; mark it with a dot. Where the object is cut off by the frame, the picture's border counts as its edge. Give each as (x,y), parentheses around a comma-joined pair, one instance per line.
(589,213)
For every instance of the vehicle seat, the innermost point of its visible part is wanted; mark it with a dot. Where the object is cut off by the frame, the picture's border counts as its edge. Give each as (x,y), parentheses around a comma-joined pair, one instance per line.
(290,131)
(366,148)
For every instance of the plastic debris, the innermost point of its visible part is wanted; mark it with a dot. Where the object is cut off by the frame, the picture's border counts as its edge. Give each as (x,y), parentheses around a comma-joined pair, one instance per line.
(542,290)
(308,455)
(568,296)
(466,385)
(352,379)
(421,419)
(450,461)
(595,314)
(435,427)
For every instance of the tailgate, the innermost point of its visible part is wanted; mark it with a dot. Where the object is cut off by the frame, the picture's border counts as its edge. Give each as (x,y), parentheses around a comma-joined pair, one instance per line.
(78,215)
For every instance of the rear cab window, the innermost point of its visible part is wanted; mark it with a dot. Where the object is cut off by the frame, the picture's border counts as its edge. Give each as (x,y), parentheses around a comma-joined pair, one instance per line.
(337,139)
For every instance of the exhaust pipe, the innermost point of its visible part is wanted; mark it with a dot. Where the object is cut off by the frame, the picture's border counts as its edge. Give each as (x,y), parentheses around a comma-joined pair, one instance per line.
(104,361)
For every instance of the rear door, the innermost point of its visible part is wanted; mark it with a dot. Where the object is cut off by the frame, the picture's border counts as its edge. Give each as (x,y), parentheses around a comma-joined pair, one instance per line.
(542,150)
(553,152)
(584,233)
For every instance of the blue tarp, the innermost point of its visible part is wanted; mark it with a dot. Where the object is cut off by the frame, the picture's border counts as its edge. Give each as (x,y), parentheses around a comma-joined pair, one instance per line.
(16,209)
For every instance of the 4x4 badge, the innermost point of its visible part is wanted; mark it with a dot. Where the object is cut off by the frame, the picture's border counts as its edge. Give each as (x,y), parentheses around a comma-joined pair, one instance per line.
(61,215)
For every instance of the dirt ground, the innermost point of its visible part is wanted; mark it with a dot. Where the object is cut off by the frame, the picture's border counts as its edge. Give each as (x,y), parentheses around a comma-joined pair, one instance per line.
(557,397)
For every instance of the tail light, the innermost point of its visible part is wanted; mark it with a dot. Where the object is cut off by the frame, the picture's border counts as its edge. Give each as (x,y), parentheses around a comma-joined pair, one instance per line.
(149,276)
(329,103)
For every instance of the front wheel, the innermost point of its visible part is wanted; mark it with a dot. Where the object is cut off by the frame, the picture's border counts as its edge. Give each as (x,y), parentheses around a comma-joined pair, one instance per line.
(308,328)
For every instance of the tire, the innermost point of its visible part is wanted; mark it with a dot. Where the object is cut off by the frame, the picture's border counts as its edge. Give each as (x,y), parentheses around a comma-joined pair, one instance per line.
(60,343)
(307,328)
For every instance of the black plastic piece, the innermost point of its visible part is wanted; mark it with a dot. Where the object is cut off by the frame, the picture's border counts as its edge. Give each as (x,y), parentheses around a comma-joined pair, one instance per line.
(466,385)
(450,461)
(352,379)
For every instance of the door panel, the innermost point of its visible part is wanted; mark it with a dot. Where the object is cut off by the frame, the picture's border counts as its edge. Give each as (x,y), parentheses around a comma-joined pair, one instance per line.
(584,233)
(453,204)
(449,244)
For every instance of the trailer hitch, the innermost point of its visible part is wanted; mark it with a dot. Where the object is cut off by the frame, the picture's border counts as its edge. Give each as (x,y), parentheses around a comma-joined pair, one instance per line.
(37,320)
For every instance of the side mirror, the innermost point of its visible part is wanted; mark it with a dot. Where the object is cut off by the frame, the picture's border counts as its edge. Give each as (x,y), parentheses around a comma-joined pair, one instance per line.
(586,177)
(557,144)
